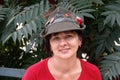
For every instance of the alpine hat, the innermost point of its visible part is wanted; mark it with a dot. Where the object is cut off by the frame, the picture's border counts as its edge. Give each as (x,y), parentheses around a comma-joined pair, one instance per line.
(61,20)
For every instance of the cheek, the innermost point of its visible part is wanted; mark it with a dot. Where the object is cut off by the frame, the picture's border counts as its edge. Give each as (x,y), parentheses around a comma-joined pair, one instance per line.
(52,46)
(77,42)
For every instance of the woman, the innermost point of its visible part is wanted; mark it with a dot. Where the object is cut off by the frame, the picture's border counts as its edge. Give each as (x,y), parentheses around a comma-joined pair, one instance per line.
(63,38)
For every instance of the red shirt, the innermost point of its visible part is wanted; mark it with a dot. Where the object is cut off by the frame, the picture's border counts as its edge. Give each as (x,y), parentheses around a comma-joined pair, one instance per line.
(40,71)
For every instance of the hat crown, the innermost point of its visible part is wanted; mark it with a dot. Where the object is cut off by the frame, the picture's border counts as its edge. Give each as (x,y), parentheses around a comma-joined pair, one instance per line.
(59,15)
(61,12)
(61,20)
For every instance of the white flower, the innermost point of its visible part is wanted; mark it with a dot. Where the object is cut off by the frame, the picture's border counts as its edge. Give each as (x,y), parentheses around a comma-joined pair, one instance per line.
(19,26)
(84,56)
(116,43)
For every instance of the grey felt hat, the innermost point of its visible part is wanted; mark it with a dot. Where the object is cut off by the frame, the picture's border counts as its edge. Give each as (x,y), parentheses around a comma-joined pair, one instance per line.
(61,20)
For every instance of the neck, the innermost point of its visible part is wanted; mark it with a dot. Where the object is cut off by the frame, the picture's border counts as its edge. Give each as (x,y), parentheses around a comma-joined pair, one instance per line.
(64,65)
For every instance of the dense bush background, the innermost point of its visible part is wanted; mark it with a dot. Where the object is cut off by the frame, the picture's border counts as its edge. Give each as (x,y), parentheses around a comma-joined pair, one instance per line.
(21,22)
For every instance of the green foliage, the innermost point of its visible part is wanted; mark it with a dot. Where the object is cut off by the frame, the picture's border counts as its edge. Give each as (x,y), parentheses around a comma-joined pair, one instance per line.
(2,13)
(79,7)
(28,20)
(110,66)
(104,41)
(112,13)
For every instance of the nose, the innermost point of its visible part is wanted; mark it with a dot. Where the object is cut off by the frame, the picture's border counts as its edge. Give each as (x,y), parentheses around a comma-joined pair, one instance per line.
(63,42)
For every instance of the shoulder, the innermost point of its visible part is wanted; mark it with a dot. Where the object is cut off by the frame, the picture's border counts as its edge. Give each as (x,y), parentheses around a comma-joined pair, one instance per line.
(89,71)
(39,65)
(36,69)
(89,65)
(90,68)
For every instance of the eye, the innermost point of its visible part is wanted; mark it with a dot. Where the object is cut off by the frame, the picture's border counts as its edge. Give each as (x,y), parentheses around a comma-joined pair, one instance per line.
(69,36)
(55,38)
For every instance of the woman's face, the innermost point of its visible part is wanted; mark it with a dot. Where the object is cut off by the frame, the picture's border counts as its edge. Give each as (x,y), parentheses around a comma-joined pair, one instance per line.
(65,44)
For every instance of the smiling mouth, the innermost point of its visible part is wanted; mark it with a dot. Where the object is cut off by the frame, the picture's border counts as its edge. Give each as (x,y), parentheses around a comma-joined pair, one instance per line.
(64,50)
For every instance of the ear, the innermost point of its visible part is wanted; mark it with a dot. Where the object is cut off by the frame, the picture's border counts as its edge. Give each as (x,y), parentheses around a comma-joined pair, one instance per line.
(80,41)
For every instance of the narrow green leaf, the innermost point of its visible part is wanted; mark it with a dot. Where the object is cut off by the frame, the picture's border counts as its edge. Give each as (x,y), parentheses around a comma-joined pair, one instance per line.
(31,13)
(86,10)
(25,32)
(20,18)
(29,29)
(100,26)
(28,16)
(114,57)
(107,20)
(87,15)
(39,23)
(106,13)
(6,38)
(19,34)
(34,27)
(117,66)
(23,17)
(41,7)
(118,18)
(11,20)
(108,46)
(83,7)
(112,20)
(35,12)
(100,49)
(47,6)
(114,7)
(98,1)
(14,36)
(113,71)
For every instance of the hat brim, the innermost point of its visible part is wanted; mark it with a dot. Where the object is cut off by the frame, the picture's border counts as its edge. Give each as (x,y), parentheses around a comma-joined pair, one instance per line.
(60,27)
